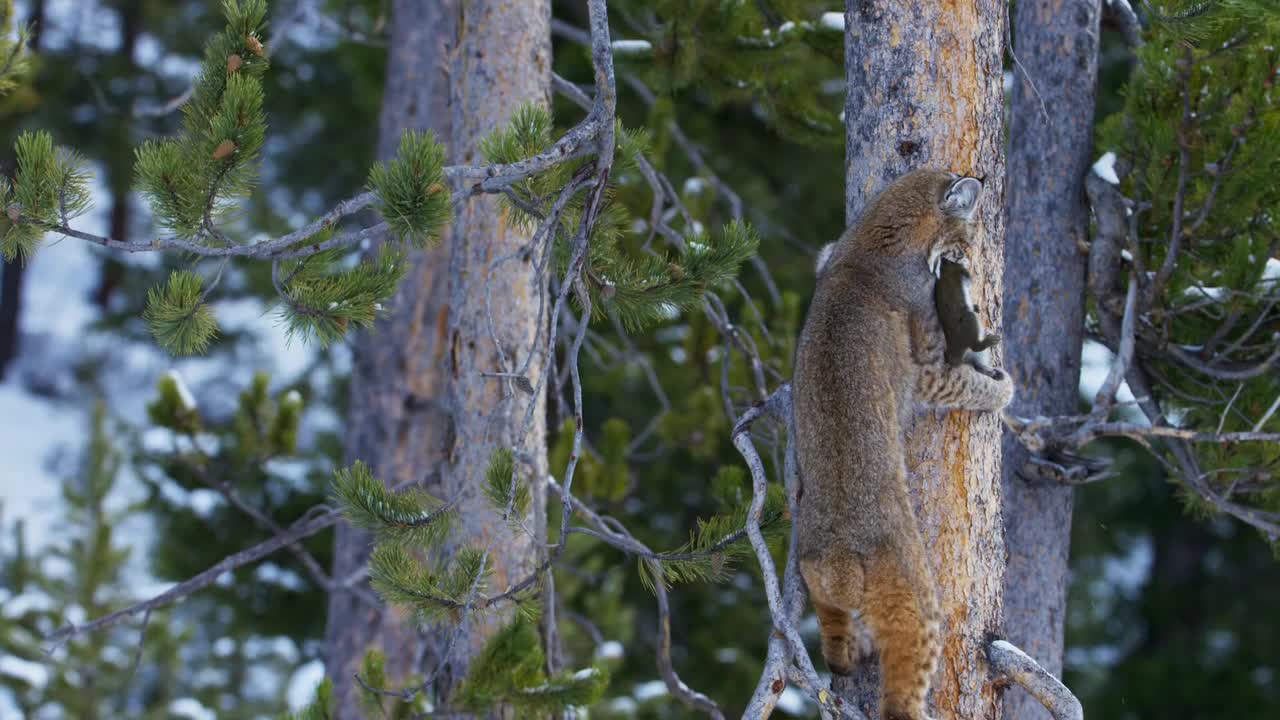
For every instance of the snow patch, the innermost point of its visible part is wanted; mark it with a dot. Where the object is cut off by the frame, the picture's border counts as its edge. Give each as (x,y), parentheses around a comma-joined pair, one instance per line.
(1105,168)
(695,185)
(33,674)
(204,501)
(1271,272)
(1095,364)
(609,650)
(585,673)
(623,706)
(302,686)
(25,603)
(650,690)
(832,21)
(184,393)
(632,47)
(191,709)
(792,701)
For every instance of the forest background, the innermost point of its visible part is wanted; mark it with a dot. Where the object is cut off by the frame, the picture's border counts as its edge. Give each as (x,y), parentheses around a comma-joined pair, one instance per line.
(1169,606)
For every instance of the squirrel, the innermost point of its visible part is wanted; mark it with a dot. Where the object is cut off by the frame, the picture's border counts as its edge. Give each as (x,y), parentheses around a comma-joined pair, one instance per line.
(871,348)
(959,317)
(957,313)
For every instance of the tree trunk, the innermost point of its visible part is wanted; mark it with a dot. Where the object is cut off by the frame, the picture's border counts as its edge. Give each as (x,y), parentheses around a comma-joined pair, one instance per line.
(14,273)
(503,60)
(420,411)
(1043,332)
(925,90)
(394,422)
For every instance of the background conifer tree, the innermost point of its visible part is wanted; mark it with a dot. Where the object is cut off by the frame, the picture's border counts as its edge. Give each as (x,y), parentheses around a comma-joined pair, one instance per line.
(692,319)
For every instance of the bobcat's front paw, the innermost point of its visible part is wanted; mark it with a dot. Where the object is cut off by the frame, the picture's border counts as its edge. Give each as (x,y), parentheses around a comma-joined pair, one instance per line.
(1004,391)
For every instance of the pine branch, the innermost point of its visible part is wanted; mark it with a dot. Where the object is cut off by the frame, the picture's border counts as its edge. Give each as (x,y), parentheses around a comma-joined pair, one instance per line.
(410,518)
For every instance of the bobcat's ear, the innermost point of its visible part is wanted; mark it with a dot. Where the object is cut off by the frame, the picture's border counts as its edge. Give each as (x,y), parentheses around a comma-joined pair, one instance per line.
(961,198)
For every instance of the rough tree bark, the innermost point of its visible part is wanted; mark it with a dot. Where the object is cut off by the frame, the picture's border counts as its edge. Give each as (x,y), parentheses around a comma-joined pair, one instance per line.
(394,422)
(502,59)
(925,90)
(1057,48)
(419,408)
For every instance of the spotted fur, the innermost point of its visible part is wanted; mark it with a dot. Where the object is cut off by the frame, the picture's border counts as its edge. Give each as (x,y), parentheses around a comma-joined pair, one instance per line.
(872,348)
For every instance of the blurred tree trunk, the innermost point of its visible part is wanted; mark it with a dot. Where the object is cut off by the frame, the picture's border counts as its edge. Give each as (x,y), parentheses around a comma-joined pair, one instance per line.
(119,158)
(11,279)
(1043,331)
(925,90)
(420,410)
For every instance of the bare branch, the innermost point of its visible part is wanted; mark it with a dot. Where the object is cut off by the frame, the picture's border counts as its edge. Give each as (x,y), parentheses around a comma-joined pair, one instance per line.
(1106,395)
(1041,433)
(1180,195)
(614,534)
(1234,371)
(1121,13)
(1267,415)
(1009,662)
(312,522)
(779,406)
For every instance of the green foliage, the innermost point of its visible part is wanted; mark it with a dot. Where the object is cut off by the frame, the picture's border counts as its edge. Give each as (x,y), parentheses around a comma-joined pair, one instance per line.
(190,180)
(410,518)
(779,57)
(265,427)
(1199,121)
(508,494)
(50,187)
(433,596)
(510,670)
(83,574)
(234,446)
(645,289)
(720,542)
(1151,588)
(415,200)
(320,301)
(177,315)
(640,288)
(375,697)
(15,62)
(172,408)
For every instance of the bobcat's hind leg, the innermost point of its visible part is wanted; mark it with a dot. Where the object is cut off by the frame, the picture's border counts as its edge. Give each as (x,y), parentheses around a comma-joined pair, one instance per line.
(902,613)
(836,591)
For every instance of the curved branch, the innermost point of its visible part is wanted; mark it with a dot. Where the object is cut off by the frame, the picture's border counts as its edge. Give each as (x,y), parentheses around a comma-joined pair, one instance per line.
(1009,662)
(778,405)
